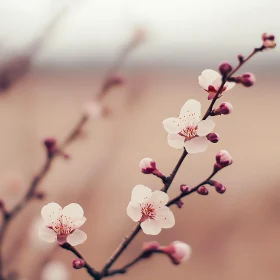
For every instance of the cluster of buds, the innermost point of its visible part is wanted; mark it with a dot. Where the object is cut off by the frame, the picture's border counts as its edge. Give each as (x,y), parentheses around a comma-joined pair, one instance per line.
(177,251)
(148,166)
(223,159)
(224,109)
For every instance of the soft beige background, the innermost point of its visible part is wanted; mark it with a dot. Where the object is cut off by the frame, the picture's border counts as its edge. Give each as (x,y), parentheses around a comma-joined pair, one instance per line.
(233,236)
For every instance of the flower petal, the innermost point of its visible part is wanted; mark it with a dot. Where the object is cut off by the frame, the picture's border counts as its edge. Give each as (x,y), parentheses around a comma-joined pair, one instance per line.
(159,198)
(191,111)
(197,145)
(77,237)
(165,217)
(51,213)
(175,141)
(47,234)
(172,125)
(133,211)
(140,193)
(205,127)
(73,211)
(79,222)
(217,83)
(151,227)
(207,78)
(230,85)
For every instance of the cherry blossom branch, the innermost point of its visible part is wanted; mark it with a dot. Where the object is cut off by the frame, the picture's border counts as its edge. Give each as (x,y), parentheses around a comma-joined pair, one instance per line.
(53,151)
(91,271)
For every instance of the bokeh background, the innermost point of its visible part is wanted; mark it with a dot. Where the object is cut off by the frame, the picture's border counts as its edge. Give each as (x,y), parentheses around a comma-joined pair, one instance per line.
(234,235)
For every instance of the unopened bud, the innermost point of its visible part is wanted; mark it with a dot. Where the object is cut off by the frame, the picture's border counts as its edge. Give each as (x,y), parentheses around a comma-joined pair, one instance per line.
(202,190)
(184,189)
(247,79)
(224,109)
(178,251)
(50,144)
(220,188)
(268,41)
(78,263)
(223,159)
(240,58)
(225,68)
(147,165)
(179,203)
(213,137)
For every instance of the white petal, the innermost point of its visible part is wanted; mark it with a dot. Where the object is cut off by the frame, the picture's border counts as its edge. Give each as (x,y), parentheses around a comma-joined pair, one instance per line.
(172,125)
(165,217)
(205,127)
(197,145)
(175,141)
(151,227)
(133,211)
(159,198)
(77,237)
(140,193)
(229,85)
(79,222)
(47,234)
(207,78)
(191,111)
(73,211)
(51,213)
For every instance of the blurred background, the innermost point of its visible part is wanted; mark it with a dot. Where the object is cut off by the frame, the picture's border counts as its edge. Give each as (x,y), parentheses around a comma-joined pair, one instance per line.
(53,59)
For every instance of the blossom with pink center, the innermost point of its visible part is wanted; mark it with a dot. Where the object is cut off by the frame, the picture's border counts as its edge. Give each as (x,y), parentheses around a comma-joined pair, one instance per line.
(189,130)
(148,208)
(62,224)
(211,81)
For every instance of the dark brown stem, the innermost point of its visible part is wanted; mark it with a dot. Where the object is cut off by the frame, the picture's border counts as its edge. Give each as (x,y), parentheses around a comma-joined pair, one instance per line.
(91,271)
(224,80)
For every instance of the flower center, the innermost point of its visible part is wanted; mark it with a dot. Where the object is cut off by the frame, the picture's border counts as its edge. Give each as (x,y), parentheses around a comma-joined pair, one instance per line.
(148,211)
(189,132)
(61,228)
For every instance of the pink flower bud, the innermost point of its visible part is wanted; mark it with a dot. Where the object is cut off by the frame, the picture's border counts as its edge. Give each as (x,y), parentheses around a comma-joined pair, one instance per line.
(247,79)
(202,190)
(50,144)
(223,159)
(179,203)
(150,246)
(178,251)
(268,41)
(147,165)
(220,188)
(225,68)
(224,109)
(78,263)
(184,189)
(240,58)
(213,137)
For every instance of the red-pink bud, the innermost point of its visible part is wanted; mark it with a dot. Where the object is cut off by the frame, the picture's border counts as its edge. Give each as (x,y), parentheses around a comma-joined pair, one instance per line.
(147,165)
(220,188)
(179,203)
(202,190)
(184,189)
(178,251)
(225,68)
(223,159)
(50,144)
(213,137)
(224,109)
(247,79)
(78,263)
